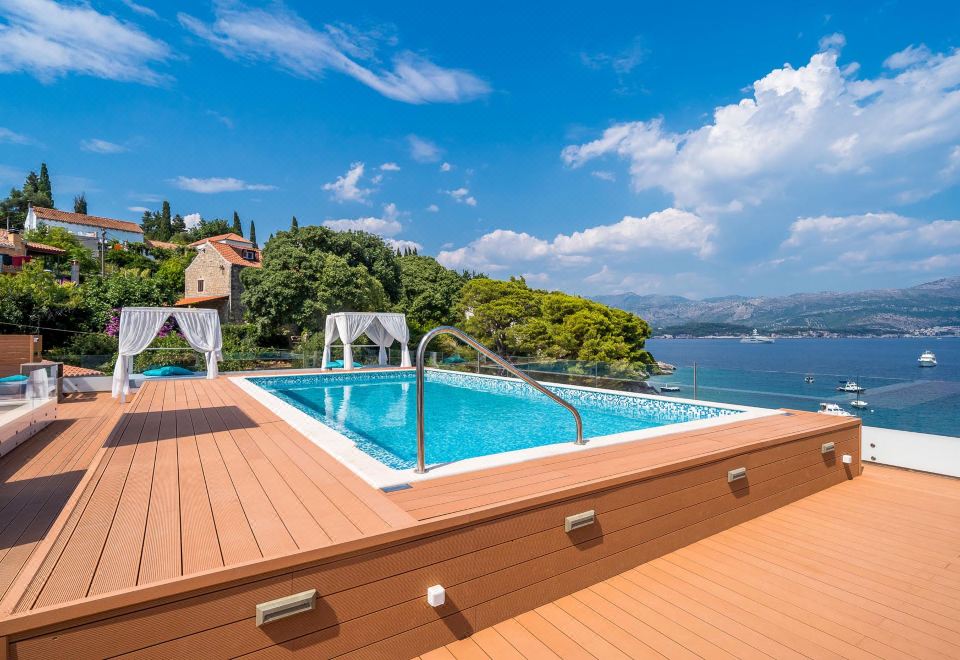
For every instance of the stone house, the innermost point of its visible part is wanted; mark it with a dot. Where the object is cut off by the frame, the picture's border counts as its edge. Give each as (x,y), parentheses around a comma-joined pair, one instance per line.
(212,280)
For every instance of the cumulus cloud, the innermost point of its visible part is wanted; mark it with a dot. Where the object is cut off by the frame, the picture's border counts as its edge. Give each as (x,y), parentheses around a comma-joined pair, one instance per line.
(670,230)
(401,244)
(422,150)
(279,36)
(390,167)
(49,40)
(347,187)
(462,196)
(98,146)
(446,167)
(387,224)
(873,242)
(803,130)
(215,184)
(433,208)
(192,220)
(908,57)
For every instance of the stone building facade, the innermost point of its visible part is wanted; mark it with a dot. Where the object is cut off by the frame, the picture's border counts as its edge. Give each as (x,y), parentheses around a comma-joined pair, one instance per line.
(212,280)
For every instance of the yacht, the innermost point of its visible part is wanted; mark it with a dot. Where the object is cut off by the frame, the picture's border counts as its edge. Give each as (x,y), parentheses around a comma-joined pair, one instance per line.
(668,387)
(927,359)
(849,386)
(833,409)
(756,338)
(859,403)
(808,379)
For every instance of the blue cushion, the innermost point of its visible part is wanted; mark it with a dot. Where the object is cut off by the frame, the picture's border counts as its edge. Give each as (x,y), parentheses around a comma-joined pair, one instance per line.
(17,378)
(338,364)
(168,371)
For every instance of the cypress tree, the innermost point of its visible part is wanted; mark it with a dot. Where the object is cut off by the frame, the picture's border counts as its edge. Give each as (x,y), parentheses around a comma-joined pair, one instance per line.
(80,203)
(165,230)
(293,224)
(236,228)
(253,233)
(43,184)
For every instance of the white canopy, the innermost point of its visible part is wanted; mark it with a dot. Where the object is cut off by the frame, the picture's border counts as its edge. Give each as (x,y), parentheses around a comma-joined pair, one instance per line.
(139,325)
(382,328)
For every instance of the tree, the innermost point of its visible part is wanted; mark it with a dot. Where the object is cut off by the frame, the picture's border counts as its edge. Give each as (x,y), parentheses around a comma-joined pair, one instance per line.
(236,228)
(177,226)
(165,228)
(33,297)
(430,292)
(43,183)
(207,228)
(33,193)
(253,233)
(75,250)
(293,224)
(80,203)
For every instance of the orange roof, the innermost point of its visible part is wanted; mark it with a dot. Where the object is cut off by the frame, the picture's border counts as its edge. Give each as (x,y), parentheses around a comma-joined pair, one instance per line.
(183,302)
(70,371)
(90,220)
(222,237)
(235,255)
(165,245)
(44,248)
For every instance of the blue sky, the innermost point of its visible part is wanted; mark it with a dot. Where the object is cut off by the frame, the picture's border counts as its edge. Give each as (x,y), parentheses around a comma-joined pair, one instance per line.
(698,149)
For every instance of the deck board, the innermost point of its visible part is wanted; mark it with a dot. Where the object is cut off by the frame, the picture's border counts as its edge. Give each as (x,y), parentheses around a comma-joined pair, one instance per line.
(817,578)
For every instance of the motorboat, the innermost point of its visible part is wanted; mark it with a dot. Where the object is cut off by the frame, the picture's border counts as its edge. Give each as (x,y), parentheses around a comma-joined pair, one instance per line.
(833,409)
(808,379)
(849,386)
(756,338)
(927,359)
(859,403)
(669,388)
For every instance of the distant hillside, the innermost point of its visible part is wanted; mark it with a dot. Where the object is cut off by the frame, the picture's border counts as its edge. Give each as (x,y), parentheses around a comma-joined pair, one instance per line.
(919,308)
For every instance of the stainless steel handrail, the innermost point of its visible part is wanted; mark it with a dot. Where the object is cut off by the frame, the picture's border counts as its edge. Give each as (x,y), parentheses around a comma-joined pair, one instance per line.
(467,339)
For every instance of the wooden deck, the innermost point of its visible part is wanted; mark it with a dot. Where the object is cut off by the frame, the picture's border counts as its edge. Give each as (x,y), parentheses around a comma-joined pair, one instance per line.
(192,503)
(867,569)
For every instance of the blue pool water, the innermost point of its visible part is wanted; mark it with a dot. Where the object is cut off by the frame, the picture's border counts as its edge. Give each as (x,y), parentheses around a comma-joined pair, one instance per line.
(466,416)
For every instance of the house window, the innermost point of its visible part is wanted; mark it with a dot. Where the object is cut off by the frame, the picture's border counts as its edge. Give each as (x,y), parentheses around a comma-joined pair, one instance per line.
(249,255)
(199,286)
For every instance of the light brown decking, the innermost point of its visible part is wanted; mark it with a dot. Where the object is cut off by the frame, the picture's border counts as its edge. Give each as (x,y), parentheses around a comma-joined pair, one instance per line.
(197,476)
(868,568)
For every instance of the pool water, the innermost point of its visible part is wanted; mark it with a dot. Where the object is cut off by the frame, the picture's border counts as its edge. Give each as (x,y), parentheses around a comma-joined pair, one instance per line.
(465,416)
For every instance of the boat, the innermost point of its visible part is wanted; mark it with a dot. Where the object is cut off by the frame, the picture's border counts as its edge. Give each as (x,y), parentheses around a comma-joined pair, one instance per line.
(808,379)
(756,338)
(859,403)
(927,359)
(833,409)
(849,386)
(669,388)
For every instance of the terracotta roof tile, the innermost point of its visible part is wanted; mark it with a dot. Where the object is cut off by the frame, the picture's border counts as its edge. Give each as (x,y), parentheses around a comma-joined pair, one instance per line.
(165,245)
(44,248)
(235,255)
(89,220)
(183,302)
(69,371)
(220,237)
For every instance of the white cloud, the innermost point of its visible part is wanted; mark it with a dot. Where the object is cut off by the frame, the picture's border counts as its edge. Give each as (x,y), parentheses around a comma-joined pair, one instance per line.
(281,37)
(386,225)
(908,57)
(143,10)
(347,187)
(12,137)
(138,209)
(670,230)
(804,132)
(433,208)
(192,220)
(834,41)
(217,184)
(422,150)
(49,40)
(446,167)
(400,244)
(223,119)
(98,146)
(462,196)
(604,175)
(873,242)
(390,167)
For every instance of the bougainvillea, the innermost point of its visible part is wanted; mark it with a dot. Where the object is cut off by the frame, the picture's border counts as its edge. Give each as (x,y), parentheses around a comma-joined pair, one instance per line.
(167,329)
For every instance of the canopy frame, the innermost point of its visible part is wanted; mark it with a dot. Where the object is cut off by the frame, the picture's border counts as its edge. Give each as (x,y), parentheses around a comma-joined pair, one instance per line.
(139,327)
(383,328)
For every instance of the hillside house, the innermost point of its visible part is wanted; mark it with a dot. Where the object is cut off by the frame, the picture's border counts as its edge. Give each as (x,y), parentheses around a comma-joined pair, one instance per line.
(88,228)
(212,279)
(14,251)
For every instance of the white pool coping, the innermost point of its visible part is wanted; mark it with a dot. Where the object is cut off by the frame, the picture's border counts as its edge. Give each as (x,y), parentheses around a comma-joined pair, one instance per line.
(379,475)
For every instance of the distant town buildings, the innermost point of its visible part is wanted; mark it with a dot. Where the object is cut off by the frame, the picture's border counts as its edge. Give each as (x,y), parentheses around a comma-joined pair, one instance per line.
(88,228)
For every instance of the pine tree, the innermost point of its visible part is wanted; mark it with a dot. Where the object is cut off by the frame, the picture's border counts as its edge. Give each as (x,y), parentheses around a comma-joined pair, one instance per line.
(165,230)
(43,184)
(80,203)
(253,233)
(236,228)
(293,224)
(178,225)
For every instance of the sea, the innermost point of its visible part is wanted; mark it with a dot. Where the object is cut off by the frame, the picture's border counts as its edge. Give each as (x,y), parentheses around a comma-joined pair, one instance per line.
(900,394)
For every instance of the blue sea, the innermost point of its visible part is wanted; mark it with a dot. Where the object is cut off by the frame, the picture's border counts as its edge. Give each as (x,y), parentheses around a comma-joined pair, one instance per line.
(900,394)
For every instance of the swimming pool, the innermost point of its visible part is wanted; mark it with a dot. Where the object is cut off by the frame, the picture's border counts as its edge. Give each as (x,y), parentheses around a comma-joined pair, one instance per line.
(471,421)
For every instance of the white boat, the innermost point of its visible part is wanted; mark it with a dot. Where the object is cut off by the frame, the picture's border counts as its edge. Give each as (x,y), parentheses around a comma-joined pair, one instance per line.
(859,403)
(849,386)
(833,409)
(808,379)
(669,388)
(756,338)
(927,359)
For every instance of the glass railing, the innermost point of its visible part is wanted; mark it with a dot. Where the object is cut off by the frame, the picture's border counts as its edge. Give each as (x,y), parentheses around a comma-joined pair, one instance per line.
(24,392)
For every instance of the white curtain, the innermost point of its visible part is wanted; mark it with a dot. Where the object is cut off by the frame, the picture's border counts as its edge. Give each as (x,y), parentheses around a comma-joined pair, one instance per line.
(138,327)
(349,327)
(329,336)
(381,337)
(396,325)
(201,329)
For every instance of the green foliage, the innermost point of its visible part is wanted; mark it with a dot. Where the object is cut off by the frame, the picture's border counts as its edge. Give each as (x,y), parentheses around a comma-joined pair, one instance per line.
(253,233)
(36,191)
(33,298)
(187,357)
(294,225)
(430,292)
(80,203)
(124,288)
(207,228)
(512,318)
(170,273)
(61,238)
(236,228)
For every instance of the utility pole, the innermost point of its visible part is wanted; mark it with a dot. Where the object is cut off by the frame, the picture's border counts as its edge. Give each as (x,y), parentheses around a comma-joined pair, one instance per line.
(103,249)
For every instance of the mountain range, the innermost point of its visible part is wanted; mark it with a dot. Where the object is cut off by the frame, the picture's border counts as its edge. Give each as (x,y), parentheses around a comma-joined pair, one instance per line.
(929,307)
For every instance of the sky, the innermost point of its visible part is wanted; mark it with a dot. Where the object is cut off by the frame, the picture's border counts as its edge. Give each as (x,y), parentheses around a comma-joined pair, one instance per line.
(696,149)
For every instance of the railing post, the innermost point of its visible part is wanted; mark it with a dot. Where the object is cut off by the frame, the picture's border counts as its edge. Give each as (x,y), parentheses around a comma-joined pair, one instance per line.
(694,381)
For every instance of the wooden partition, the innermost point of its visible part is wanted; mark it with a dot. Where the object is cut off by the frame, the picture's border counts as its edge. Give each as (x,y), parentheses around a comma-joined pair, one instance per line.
(494,563)
(16,350)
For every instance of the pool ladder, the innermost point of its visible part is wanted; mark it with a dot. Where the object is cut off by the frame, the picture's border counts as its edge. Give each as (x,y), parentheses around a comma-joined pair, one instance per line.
(467,339)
